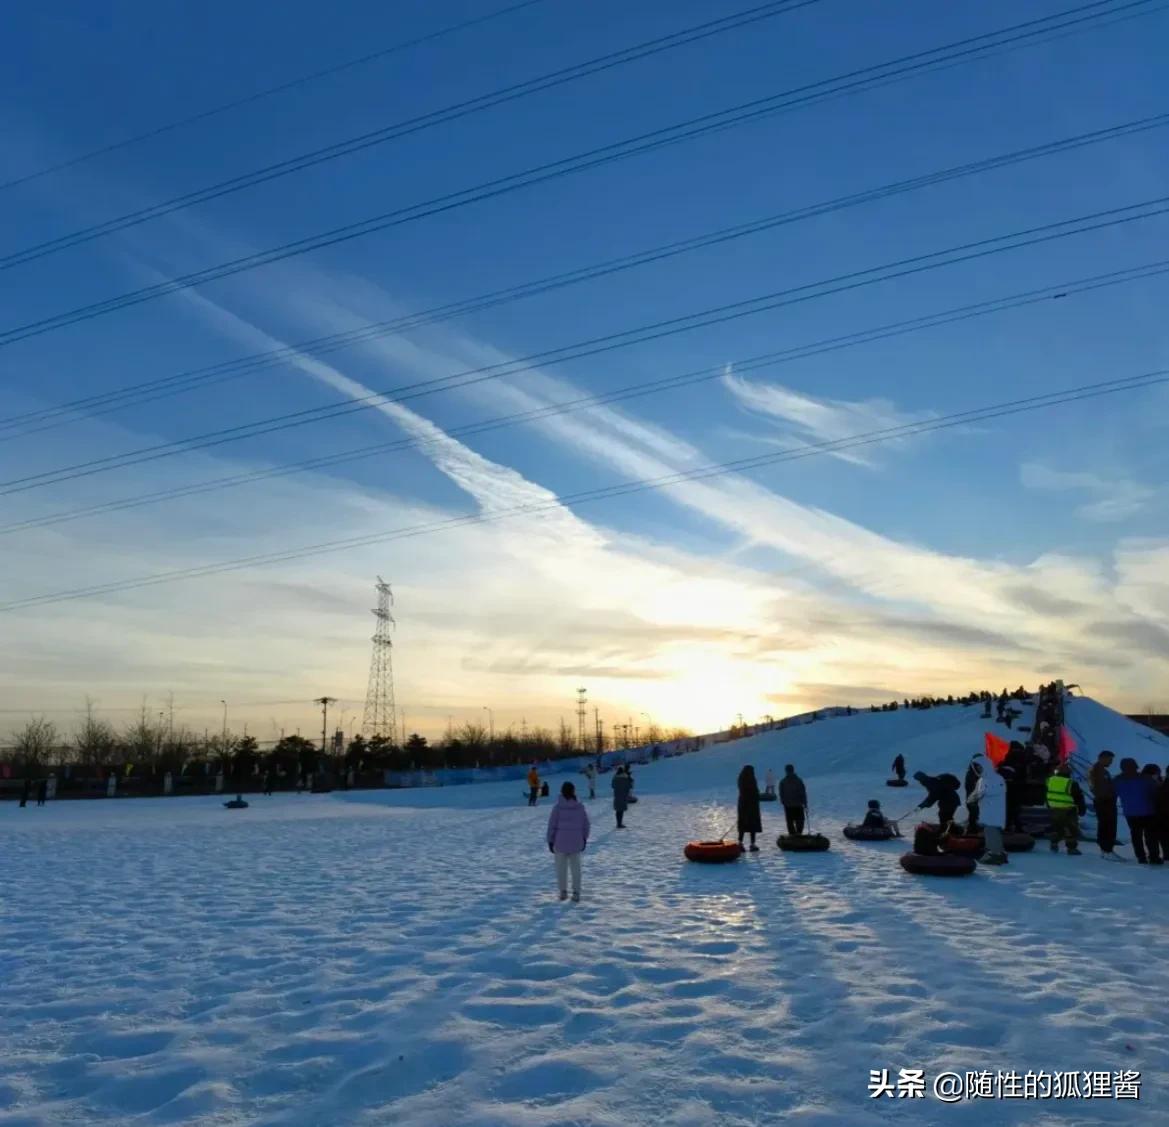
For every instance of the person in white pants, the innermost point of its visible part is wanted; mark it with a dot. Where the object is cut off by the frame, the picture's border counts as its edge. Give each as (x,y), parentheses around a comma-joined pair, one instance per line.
(568,835)
(990,797)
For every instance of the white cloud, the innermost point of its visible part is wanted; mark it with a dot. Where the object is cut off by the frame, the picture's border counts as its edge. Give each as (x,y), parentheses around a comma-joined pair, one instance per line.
(1111,499)
(814,421)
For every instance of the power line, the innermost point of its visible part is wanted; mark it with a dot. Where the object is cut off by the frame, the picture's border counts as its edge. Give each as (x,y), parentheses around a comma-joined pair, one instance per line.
(901,268)
(259,95)
(409,127)
(1054,292)
(34,422)
(854,82)
(82,709)
(870,438)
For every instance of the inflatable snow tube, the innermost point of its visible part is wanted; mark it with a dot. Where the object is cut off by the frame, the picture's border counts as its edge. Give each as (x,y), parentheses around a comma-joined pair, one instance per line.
(868,833)
(765,797)
(803,843)
(942,865)
(965,845)
(236,804)
(1018,843)
(896,782)
(713,852)
(632,799)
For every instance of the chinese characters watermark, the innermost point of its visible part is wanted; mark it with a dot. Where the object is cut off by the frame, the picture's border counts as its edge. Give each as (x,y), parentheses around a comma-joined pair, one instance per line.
(955,1087)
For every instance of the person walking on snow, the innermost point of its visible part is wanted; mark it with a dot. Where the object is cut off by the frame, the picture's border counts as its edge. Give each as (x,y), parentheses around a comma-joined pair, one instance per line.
(590,773)
(622,786)
(1104,800)
(942,790)
(769,783)
(750,820)
(568,835)
(988,802)
(1138,797)
(899,767)
(1066,802)
(794,796)
(533,785)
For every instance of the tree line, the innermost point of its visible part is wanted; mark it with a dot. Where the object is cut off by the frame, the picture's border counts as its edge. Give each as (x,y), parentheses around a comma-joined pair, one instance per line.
(146,746)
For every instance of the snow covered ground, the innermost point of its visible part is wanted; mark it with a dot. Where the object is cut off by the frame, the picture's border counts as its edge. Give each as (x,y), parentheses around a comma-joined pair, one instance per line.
(400,958)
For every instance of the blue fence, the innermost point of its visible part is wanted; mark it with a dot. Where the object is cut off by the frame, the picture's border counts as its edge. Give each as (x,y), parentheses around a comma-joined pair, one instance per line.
(458,776)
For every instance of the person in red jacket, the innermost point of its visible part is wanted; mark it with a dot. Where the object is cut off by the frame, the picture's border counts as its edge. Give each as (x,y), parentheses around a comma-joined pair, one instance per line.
(568,835)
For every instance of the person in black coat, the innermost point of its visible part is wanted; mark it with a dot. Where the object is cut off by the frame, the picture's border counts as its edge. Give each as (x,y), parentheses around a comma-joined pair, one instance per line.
(899,767)
(750,820)
(794,796)
(42,790)
(942,790)
(25,791)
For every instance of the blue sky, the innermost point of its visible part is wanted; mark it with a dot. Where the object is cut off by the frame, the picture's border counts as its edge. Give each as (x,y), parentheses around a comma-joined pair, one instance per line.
(997,552)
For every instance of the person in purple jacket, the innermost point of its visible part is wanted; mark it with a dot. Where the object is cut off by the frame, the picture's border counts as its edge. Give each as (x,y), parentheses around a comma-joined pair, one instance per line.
(568,834)
(1138,797)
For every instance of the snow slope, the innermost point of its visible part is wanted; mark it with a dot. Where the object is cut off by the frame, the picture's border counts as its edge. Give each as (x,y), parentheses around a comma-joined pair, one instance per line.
(400,958)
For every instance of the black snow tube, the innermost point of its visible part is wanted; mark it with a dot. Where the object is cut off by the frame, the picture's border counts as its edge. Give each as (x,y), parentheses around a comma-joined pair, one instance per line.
(896,782)
(868,833)
(631,799)
(236,804)
(1018,843)
(941,865)
(765,797)
(803,843)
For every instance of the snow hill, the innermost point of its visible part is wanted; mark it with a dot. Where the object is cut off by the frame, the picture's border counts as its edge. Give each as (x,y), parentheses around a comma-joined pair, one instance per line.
(400,957)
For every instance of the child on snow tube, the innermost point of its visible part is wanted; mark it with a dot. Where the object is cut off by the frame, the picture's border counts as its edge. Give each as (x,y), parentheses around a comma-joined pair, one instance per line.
(875,819)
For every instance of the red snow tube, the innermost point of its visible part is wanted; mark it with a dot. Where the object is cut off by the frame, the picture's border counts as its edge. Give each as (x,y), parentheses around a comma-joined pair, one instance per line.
(896,783)
(1018,843)
(870,833)
(963,845)
(942,865)
(713,852)
(803,843)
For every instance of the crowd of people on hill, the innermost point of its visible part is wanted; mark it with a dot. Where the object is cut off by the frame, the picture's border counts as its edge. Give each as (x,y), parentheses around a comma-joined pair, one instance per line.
(1032,774)
(975,696)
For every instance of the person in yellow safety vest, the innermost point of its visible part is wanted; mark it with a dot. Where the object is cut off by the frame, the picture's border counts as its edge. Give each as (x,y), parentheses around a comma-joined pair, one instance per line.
(533,785)
(1066,802)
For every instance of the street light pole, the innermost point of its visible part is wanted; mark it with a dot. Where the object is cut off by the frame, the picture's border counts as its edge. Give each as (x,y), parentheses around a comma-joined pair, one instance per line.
(324,702)
(490,721)
(224,703)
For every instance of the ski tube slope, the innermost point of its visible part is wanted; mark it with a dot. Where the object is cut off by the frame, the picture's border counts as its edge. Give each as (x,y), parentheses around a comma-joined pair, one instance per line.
(401,957)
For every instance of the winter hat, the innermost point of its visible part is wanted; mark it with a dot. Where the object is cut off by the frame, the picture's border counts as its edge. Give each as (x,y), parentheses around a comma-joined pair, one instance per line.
(874,804)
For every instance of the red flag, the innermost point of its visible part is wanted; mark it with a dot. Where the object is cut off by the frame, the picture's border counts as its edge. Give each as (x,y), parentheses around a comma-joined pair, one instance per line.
(1067,744)
(996,748)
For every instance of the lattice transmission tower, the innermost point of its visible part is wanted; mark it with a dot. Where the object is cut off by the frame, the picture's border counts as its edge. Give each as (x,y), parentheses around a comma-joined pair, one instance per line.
(380,712)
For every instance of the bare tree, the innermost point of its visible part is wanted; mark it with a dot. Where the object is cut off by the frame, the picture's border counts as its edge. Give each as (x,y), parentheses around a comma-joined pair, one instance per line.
(95,740)
(471,735)
(142,739)
(35,742)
